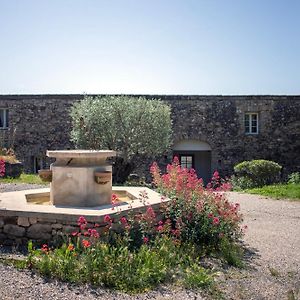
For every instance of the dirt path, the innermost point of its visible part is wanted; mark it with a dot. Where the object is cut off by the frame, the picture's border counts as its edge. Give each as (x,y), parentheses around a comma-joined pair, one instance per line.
(273,237)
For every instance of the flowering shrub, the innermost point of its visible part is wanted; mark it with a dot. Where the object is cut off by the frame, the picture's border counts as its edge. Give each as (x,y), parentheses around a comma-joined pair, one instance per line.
(196,214)
(115,265)
(140,250)
(2,167)
(219,184)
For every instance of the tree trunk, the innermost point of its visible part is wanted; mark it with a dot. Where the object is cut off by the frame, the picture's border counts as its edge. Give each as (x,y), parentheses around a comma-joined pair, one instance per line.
(121,170)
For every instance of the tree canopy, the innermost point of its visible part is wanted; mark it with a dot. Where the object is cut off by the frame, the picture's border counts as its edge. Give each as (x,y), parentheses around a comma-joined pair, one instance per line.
(130,125)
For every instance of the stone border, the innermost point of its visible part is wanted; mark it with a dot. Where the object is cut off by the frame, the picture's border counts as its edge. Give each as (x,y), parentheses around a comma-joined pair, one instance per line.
(21,222)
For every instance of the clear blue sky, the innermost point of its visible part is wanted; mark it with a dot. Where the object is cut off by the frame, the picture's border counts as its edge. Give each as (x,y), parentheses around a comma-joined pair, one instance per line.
(150,47)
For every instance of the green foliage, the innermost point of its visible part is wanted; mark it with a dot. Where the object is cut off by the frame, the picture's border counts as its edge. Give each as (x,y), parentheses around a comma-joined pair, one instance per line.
(294,178)
(197,277)
(126,124)
(278,191)
(17,263)
(119,267)
(24,178)
(232,253)
(241,183)
(256,173)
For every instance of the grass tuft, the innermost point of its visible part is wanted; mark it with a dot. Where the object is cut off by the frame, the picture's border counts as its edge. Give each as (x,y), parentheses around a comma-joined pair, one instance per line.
(24,178)
(278,191)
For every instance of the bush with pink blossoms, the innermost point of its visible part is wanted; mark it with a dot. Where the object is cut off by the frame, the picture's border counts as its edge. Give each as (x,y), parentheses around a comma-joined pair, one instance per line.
(2,167)
(198,215)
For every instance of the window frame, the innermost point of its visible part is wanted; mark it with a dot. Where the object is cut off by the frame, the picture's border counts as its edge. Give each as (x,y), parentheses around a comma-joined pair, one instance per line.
(187,155)
(251,121)
(5,118)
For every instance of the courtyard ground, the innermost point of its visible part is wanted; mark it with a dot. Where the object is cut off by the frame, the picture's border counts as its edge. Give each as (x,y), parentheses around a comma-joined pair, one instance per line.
(272,259)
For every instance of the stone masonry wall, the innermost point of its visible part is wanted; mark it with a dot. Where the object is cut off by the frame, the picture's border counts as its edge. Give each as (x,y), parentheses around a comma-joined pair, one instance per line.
(42,122)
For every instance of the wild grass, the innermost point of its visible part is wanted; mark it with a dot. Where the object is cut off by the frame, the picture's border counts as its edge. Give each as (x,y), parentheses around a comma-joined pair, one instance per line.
(24,178)
(278,191)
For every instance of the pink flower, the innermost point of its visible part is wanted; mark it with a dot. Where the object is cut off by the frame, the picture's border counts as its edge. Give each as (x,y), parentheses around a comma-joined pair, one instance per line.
(2,167)
(176,232)
(45,248)
(86,243)
(93,233)
(123,221)
(81,220)
(107,219)
(74,233)
(159,228)
(216,220)
(145,240)
(210,215)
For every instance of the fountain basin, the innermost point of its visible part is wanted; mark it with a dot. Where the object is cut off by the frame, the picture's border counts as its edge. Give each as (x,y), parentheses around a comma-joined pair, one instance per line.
(22,220)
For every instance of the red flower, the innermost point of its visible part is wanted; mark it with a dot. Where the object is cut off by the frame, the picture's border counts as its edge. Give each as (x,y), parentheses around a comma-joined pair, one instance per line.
(145,240)
(71,247)
(93,233)
(216,220)
(45,248)
(159,228)
(86,243)
(107,219)
(81,220)
(2,167)
(123,220)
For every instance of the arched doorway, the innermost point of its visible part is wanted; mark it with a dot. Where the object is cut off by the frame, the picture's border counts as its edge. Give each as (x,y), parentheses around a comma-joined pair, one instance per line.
(195,154)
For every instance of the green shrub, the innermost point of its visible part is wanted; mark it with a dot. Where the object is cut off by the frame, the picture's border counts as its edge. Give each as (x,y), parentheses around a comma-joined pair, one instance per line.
(294,178)
(257,172)
(116,266)
(232,253)
(197,277)
(241,183)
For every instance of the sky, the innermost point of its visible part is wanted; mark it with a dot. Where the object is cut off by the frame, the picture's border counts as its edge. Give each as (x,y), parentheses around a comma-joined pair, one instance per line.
(198,47)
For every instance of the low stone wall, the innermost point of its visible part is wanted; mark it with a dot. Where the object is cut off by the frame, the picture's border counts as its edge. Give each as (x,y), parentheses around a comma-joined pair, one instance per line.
(16,230)
(21,221)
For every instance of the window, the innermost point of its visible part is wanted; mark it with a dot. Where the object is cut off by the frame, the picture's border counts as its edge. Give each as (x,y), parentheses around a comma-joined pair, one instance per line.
(186,161)
(251,123)
(3,118)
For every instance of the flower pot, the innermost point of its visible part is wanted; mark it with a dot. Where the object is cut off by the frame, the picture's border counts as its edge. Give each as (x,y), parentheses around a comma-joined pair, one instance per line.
(45,175)
(102,177)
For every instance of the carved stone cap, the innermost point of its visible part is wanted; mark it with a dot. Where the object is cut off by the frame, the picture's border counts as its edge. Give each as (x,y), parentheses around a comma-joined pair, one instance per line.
(81,153)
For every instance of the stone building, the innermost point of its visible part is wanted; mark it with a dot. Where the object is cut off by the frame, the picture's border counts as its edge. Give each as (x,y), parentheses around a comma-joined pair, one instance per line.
(209,132)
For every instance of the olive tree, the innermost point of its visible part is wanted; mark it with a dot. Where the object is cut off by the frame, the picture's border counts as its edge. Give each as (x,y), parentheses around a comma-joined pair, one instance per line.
(132,126)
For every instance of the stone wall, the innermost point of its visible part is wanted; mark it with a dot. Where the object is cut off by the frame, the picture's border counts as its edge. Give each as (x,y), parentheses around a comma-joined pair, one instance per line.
(20,227)
(42,122)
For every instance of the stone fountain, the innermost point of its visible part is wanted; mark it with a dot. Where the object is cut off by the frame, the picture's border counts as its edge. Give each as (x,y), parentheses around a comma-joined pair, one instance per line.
(80,184)
(81,177)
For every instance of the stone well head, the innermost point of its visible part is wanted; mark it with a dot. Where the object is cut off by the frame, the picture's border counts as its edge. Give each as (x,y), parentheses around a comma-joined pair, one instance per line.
(81,177)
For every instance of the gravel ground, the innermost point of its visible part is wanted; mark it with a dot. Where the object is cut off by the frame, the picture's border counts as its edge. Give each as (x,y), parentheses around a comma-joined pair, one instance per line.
(272,270)
(12,187)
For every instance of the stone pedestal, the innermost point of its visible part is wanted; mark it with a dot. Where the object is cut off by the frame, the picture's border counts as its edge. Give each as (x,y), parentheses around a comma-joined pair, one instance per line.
(81,178)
